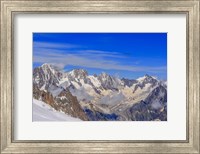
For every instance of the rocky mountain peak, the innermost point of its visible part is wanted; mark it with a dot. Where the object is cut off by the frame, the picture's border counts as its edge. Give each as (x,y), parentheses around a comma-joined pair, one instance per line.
(74,92)
(147,75)
(46,75)
(46,65)
(78,73)
(128,82)
(50,67)
(104,75)
(109,82)
(147,79)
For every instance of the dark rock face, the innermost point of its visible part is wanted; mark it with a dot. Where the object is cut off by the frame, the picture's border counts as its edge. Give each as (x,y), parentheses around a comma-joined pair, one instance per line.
(154,107)
(64,102)
(70,105)
(46,75)
(108,82)
(159,94)
(78,74)
(147,79)
(99,116)
(128,82)
(43,96)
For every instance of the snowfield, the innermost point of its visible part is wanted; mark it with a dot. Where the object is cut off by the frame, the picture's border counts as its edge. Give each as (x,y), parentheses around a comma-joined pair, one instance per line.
(44,112)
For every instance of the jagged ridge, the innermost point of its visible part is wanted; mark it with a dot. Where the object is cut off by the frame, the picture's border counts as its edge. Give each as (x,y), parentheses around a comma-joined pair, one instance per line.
(112,98)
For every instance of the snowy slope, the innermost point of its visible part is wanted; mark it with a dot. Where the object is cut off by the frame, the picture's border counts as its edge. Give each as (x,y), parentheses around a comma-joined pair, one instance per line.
(44,112)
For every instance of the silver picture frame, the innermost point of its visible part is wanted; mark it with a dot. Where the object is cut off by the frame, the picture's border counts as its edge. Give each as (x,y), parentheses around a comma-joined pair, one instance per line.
(9,8)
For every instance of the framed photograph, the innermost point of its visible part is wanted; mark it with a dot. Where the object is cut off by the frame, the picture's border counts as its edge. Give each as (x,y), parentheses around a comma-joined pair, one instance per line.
(100,76)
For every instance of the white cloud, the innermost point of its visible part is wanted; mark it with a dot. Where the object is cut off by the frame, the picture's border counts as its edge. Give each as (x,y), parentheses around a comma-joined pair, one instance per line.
(47,45)
(103,53)
(95,62)
(61,55)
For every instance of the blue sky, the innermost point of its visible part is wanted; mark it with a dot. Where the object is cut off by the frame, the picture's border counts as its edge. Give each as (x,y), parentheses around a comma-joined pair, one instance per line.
(128,55)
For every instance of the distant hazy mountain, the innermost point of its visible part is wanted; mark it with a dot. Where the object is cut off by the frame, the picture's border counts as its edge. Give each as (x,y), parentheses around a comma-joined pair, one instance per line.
(100,97)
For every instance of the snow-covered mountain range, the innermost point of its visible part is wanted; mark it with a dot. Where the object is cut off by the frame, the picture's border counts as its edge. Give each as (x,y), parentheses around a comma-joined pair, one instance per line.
(100,97)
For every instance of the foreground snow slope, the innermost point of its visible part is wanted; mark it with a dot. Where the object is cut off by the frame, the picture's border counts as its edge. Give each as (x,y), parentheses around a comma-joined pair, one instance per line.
(44,112)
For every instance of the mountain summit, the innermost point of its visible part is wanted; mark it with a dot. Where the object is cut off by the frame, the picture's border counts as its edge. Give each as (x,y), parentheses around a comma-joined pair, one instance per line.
(46,75)
(78,73)
(97,97)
